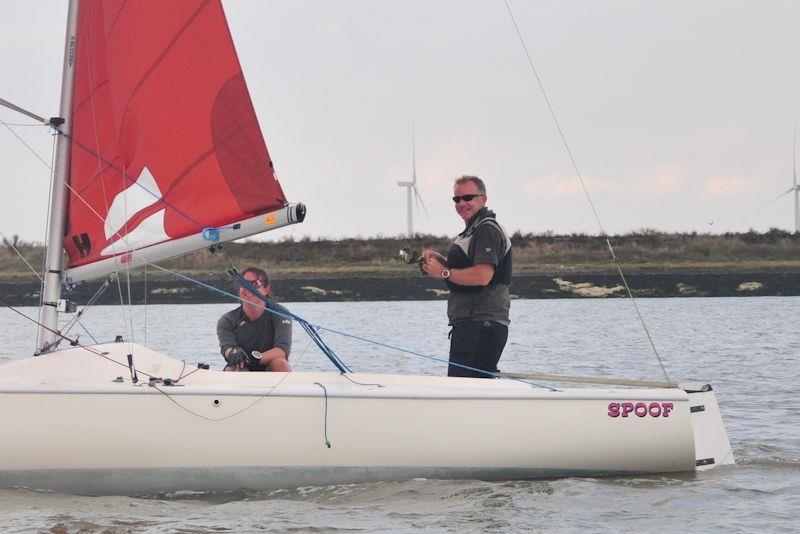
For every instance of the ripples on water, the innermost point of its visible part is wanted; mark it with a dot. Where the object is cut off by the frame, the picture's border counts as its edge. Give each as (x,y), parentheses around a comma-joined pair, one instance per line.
(748,348)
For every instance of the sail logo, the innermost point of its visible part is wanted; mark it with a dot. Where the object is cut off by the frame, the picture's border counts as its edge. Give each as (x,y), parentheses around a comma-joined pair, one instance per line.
(123,229)
(83,244)
(71,53)
(640,409)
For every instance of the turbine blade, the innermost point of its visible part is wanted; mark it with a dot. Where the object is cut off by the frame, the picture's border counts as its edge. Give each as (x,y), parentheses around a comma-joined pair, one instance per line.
(420,202)
(764,205)
(776,198)
(413,152)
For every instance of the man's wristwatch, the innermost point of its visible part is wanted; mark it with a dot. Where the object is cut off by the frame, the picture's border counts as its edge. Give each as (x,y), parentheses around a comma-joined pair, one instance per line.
(446,274)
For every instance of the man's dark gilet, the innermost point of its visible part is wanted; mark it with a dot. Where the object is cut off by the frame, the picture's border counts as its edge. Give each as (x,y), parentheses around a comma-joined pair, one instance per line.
(463,249)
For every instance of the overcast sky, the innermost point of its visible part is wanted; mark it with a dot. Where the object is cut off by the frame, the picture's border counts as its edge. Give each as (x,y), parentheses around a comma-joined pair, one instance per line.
(678,112)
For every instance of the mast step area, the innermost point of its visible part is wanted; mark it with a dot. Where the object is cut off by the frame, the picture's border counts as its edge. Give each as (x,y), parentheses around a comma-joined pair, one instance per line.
(711,444)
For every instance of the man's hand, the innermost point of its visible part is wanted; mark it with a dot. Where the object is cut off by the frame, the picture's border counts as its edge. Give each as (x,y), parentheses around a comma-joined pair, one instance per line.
(433,267)
(432,263)
(235,358)
(429,254)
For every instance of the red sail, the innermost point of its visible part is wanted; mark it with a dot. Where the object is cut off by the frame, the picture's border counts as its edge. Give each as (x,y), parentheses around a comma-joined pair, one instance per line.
(165,141)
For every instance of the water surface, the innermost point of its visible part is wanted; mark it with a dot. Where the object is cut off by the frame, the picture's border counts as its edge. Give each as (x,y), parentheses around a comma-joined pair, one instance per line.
(747,348)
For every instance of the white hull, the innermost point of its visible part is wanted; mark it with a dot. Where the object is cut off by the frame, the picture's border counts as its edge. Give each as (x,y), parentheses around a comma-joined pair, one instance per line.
(68,426)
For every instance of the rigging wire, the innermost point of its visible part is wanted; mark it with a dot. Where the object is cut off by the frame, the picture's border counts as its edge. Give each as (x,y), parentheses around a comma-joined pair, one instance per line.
(46,230)
(158,198)
(47,219)
(145,304)
(603,232)
(50,166)
(7,125)
(128,271)
(76,319)
(80,197)
(73,342)
(92,350)
(22,257)
(86,330)
(312,330)
(19,124)
(106,223)
(300,358)
(290,315)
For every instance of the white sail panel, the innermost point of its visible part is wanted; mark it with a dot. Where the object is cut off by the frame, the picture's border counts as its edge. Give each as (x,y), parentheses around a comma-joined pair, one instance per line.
(140,195)
(148,232)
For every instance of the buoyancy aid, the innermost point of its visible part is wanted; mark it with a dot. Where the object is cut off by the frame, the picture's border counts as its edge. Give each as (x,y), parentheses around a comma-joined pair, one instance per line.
(463,251)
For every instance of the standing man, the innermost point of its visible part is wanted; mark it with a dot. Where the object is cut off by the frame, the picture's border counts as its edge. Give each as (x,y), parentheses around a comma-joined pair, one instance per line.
(250,328)
(478,272)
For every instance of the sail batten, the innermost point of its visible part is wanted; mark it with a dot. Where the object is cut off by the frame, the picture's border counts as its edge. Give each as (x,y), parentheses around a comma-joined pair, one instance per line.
(165,140)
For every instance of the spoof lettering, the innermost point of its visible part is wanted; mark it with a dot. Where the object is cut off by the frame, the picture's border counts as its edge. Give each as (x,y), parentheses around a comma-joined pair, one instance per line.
(639,409)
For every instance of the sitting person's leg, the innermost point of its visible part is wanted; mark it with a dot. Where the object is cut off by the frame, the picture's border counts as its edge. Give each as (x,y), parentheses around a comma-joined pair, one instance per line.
(280,365)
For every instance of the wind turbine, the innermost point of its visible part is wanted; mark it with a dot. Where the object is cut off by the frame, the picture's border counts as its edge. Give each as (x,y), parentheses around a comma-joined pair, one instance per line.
(795,187)
(411,187)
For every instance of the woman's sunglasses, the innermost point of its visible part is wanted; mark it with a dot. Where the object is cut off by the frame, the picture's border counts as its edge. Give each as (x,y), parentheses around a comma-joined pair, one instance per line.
(466,198)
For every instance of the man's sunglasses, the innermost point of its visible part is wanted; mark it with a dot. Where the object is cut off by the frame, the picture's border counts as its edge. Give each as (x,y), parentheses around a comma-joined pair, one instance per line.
(257,283)
(466,198)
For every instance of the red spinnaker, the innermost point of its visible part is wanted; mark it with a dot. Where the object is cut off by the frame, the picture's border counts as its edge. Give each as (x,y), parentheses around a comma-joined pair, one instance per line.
(165,141)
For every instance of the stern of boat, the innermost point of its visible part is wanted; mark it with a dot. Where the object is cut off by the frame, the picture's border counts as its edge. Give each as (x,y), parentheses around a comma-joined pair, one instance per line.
(711,444)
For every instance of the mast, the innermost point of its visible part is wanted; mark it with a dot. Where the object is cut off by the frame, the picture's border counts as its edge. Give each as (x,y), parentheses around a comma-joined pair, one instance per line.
(54,262)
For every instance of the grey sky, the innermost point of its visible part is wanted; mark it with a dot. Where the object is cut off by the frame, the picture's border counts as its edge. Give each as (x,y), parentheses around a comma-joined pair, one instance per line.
(678,113)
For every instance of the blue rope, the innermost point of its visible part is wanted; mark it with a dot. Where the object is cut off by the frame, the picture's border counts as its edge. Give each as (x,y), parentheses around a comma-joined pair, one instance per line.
(291,315)
(278,310)
(308,327)
(434,358)
(88,333)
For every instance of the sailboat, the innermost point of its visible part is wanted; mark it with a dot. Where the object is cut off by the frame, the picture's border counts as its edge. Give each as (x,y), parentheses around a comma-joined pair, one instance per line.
(159,154)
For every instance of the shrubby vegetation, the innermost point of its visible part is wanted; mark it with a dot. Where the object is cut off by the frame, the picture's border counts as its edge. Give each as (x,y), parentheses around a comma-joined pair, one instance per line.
(643,249)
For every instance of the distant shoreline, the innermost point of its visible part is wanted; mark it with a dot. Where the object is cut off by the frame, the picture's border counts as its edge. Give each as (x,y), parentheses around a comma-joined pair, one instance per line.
(409,285)
(545,266)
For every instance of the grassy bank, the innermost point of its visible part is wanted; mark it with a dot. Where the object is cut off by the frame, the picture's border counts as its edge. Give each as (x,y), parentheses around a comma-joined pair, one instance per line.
(545,266)
(537,253)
